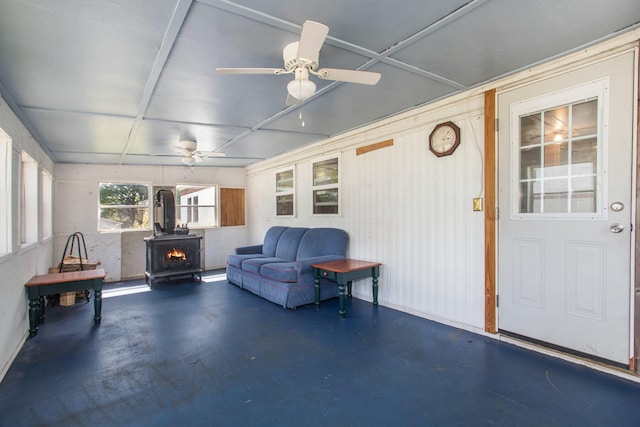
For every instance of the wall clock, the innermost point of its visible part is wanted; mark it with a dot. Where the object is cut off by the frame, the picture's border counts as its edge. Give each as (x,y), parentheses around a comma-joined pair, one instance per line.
(444,139)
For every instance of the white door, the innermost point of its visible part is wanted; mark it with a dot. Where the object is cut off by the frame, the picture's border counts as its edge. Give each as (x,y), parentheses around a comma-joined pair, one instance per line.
(565,209)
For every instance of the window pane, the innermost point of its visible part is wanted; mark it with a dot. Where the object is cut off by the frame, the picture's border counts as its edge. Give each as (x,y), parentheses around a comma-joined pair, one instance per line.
(29,199)
(5,193)
(586,153)
(284,181)
(530,163)
(47,205)
(123,194)
(123,218)
(556,124)
(585,118)
(556,196)
(196,216)
(284,205)
(325,172)
(556,155)
(530,201)
(325,201)
(206,194)
(583,199)
(530,130)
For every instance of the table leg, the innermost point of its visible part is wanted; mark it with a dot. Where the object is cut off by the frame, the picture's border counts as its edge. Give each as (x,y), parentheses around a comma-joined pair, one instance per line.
(341,287)
(374,279)
(41,306)
(316,286)
(97,307)
(34,315)
(349,288)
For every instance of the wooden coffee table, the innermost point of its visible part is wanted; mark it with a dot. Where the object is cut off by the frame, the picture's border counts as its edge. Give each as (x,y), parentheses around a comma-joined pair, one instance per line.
(344,272)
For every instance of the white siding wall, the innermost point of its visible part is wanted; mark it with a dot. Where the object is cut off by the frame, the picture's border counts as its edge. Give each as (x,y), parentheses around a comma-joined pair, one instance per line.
(123,254)
(402,206)
(22,263)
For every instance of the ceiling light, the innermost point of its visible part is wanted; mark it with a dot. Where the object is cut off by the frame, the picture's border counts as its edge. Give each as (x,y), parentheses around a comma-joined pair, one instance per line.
(188,160)
(301,88)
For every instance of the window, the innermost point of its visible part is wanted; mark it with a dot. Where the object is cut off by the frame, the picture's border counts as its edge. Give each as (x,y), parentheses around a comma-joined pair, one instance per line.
(123,206)
(5,193)
(196,205)
(29,200)
(559,151)
(47,205)
(285,192)
(326,187)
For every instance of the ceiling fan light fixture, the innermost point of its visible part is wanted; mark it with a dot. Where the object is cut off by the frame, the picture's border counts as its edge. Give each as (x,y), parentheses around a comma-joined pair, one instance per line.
(301,89)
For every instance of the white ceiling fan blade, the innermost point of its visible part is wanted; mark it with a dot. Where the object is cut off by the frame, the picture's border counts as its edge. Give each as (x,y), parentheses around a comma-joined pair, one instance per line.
(311,39)
(249,70)
(350,76)
(211,154)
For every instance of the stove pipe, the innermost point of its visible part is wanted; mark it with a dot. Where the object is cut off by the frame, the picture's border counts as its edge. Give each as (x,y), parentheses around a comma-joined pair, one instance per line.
(166,201)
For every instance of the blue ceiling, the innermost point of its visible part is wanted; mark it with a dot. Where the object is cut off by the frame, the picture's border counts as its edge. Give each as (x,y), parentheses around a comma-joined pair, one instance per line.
(122,82)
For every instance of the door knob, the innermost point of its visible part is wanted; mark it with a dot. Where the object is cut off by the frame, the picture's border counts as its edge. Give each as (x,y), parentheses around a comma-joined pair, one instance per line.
(616,228)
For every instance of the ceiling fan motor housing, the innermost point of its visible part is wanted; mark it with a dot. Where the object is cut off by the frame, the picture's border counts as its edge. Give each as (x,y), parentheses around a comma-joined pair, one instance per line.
(291,60)
(189,146)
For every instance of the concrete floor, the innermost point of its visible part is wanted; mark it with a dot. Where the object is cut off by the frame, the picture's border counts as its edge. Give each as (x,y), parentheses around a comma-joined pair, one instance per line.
(211,354)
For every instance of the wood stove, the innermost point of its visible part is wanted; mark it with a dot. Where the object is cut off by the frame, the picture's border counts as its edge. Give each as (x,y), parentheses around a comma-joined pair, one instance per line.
(174,252)
(172,255)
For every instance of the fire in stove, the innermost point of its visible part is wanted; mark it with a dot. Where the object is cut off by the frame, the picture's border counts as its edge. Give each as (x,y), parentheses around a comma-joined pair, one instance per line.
(176,255)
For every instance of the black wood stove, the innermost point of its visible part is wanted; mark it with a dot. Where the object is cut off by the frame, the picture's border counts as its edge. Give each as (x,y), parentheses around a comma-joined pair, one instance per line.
(173,252)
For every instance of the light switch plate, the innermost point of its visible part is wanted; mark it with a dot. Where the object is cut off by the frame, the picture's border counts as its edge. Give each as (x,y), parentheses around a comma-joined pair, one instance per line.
(477,204)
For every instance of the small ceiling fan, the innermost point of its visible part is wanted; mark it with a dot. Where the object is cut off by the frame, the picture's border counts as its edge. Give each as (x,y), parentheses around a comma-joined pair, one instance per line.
(191,154)
(301,59)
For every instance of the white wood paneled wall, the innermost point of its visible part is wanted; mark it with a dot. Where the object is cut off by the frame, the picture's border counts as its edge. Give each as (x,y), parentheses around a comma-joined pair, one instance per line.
(402,206)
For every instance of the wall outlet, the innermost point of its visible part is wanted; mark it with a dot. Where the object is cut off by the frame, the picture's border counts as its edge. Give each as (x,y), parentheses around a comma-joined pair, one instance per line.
(477,204)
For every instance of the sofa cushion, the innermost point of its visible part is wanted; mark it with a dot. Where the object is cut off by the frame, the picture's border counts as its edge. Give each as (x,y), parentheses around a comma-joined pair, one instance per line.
(323,241)
(236,260)
(280,271)
(253,265)
(271,239)
(289,242)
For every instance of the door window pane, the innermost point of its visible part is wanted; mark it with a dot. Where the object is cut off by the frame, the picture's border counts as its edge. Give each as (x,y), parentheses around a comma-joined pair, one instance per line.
(561,180)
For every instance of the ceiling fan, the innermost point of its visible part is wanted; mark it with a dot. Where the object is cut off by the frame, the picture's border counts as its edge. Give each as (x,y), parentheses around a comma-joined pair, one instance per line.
(301,59)
(191,154)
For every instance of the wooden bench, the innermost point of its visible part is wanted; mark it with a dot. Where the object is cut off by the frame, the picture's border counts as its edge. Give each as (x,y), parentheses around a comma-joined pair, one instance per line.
(56,283)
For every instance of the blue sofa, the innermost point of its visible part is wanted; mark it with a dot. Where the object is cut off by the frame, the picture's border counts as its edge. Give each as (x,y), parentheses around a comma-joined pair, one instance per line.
(279,269)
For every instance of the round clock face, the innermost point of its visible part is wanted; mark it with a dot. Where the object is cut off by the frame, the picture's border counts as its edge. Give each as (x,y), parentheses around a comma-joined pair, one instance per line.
(444,139)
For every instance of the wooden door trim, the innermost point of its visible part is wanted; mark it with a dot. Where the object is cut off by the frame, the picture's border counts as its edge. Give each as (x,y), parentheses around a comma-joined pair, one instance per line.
(490,177)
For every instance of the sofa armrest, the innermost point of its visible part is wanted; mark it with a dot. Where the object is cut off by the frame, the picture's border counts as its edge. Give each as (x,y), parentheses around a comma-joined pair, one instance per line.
(304,265)
(244,250)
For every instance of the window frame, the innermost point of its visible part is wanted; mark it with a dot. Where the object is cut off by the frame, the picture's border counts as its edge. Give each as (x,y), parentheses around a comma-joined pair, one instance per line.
(329,186)
(282,191)
(598,90)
